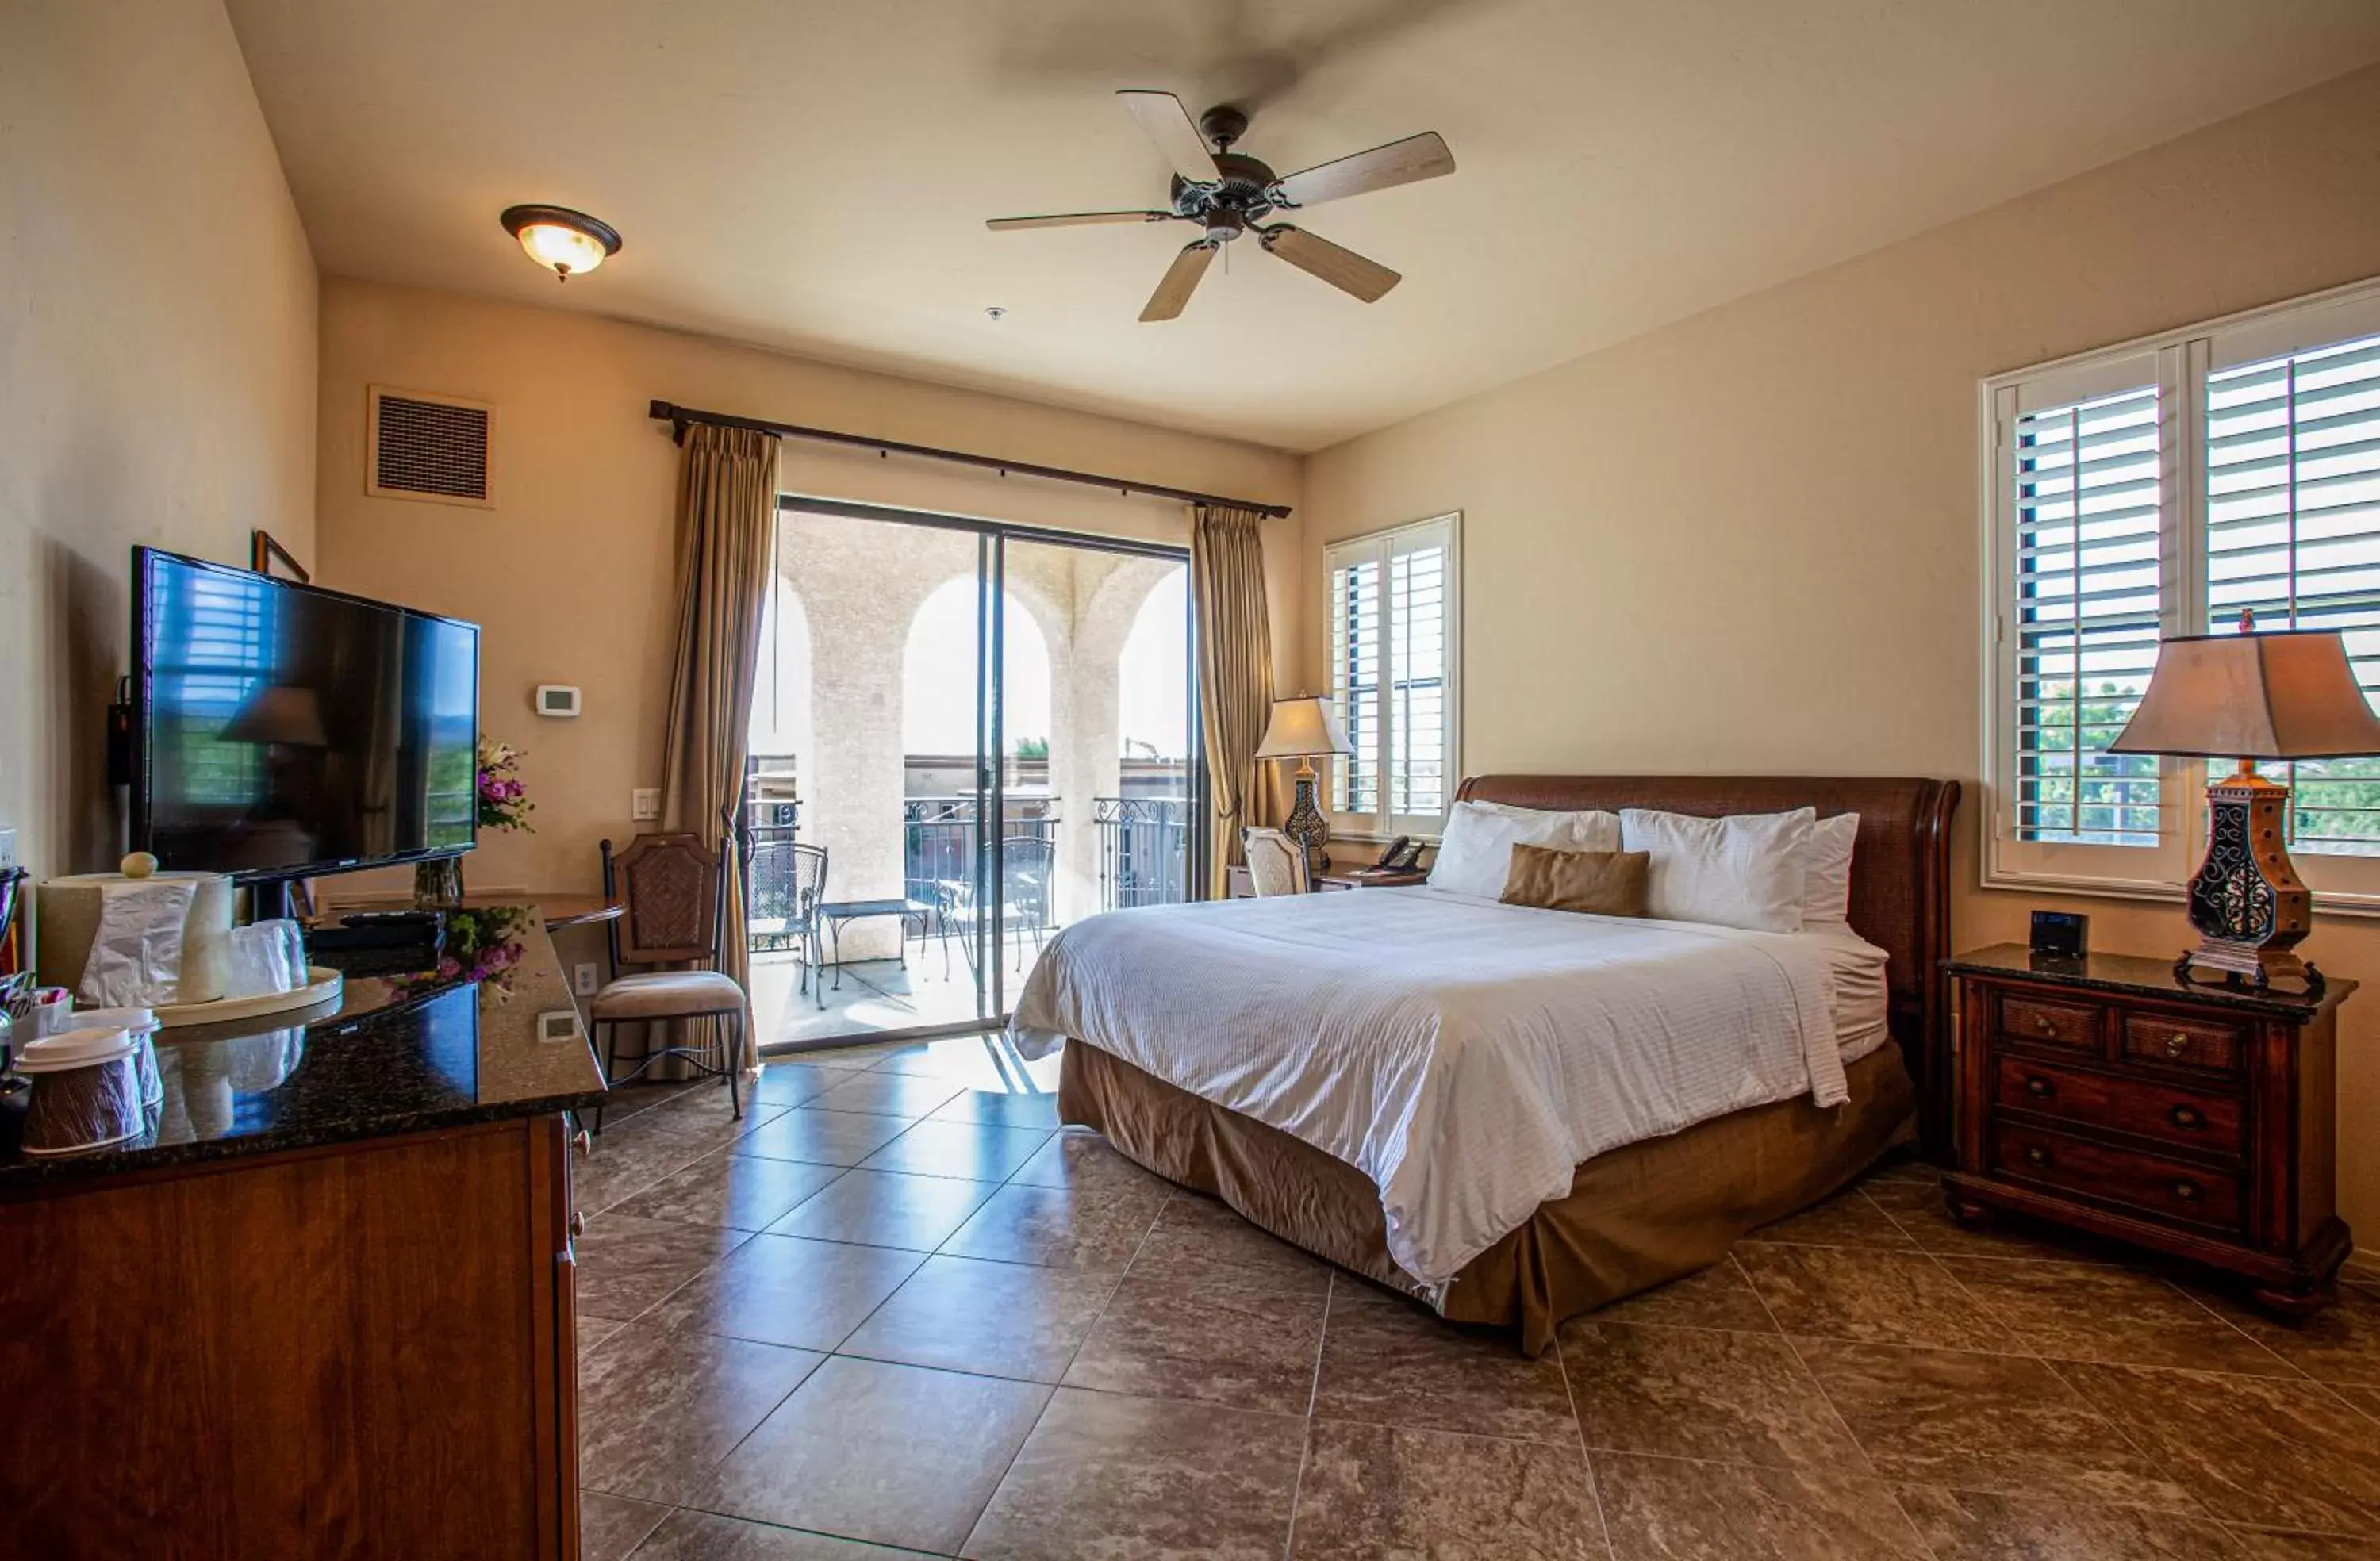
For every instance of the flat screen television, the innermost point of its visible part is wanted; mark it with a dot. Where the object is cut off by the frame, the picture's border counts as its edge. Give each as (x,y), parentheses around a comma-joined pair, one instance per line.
(282,731)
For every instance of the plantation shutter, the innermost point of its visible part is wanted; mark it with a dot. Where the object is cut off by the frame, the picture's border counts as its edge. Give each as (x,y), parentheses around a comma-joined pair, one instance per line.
(2293,531)
(1393,644)
(2086,480)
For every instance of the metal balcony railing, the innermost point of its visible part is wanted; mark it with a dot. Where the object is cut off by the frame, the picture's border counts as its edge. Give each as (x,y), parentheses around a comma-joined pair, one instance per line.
(1144,851)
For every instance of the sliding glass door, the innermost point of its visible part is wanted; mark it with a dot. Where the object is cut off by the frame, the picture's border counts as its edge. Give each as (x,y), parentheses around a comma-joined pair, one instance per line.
(966,736)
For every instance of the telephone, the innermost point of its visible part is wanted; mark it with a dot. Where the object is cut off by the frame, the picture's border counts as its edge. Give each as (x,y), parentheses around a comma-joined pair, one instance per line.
(1402,854)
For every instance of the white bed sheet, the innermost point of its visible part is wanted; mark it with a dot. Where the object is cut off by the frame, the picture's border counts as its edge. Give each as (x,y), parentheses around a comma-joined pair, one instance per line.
(1860,1005)
(1465,1055)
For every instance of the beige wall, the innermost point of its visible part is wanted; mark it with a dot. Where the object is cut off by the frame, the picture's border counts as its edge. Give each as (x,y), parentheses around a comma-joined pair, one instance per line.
(1747,543)
(570,576)
(156,366)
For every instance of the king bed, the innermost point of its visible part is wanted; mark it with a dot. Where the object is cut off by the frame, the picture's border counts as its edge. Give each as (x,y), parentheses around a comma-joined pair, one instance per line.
(1512,1114)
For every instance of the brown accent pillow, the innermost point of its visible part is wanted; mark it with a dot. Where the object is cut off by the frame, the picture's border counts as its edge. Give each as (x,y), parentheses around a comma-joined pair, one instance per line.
(1594,883)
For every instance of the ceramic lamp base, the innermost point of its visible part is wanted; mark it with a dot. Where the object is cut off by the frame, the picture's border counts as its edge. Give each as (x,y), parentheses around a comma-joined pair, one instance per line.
(1306,824)
(2246,902)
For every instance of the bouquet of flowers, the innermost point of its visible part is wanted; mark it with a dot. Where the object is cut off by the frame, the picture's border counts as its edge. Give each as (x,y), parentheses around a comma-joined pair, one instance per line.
(504,801)
(482,945)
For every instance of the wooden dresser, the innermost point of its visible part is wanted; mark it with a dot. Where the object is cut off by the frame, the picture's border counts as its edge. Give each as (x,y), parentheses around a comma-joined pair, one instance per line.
(2107,1095)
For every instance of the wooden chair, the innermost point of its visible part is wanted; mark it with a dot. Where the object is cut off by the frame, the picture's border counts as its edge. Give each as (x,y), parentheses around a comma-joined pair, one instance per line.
(1275,863)
(675,914)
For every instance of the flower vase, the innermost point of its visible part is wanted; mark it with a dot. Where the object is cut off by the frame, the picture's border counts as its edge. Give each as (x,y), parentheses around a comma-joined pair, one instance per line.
(438,883)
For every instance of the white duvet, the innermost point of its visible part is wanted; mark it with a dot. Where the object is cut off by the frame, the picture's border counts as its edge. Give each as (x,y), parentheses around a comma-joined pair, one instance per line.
(1463,1054)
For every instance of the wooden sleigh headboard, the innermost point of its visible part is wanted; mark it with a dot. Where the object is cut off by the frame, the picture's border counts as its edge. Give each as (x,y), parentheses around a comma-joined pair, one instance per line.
(1900,871)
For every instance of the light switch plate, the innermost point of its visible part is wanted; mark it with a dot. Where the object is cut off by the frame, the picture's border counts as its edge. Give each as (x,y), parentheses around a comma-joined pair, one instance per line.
(7,851)
(644,803)
(582,978)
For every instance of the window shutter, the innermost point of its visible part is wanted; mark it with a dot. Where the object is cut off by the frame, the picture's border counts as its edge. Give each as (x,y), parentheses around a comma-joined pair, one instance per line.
(1356,652)
(1418,723)
(2086,479)
(2293,531)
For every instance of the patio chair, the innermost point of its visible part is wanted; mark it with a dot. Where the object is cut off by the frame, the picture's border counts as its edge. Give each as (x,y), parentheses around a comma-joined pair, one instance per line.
(674,898)
(1027,865)
(1275,863)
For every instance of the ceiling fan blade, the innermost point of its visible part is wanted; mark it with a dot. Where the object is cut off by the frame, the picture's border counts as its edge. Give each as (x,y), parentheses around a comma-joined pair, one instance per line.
(1343,269)
(1180,280)
(1074,219)
(1170,125)
(1384,167)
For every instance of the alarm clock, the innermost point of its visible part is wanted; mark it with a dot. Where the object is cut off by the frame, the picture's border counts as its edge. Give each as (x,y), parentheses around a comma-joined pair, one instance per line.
(2063,935)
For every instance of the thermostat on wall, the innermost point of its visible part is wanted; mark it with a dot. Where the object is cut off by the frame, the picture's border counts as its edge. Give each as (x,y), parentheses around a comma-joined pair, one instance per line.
(556,699)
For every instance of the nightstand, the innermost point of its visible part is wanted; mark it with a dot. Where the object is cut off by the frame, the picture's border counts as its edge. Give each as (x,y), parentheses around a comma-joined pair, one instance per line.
(1338,879)
(2105,1095)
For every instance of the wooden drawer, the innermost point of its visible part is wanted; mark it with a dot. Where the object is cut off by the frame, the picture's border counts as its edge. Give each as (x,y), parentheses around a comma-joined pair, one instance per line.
(2213,1044)
(2150,1184)
(2047,1022)
(2146,1106)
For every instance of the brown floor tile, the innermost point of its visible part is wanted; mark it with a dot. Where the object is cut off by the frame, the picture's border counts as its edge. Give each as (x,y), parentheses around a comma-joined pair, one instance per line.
(592,1330)
(1697,1393)
(782,1290)
(1002,1319)
(2339,1343)
(1676,1510)
(973,1150)
(896,1455)
(887,1095)
(888,1209)
(1719,1297)
(610,1527)
(1059,1227)
(1104,1475)
(1983,1422)
(2269,1544)
(2287,1455)
(1372,1490)
(1969,1526)
(1198,1242)
(658,1408)
(1035,1111)
(1874,1297)
(741,1191)
(2082,1311)
(705,1536)
(1250,1350)
(625,1160)
(625,1263)
(828,1138)
(1386,1361)
(794,1084)
(2365,1398)
(1901,1168)
(1847,1219)
(702,1116)
(1918,1208)
(1086,1162)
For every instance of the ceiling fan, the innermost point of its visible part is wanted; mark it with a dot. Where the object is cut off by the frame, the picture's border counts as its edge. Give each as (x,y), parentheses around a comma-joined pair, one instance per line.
(1228,193)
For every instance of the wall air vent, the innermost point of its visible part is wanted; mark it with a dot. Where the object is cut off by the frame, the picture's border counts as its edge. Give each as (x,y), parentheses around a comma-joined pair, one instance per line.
(440,448)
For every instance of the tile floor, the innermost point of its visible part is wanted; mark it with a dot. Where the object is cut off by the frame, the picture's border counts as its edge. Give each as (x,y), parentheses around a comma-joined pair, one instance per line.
(895,1312)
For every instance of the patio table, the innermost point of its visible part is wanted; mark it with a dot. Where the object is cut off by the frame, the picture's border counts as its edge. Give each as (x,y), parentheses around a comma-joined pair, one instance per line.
(834,912)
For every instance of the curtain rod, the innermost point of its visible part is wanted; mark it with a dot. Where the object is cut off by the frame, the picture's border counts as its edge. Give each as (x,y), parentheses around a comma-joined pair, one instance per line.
(679,416)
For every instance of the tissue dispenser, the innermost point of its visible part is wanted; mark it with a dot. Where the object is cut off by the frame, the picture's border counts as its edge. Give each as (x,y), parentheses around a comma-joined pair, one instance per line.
(66,918)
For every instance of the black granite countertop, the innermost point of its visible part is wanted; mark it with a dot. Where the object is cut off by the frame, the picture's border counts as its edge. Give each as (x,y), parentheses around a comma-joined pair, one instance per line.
(390,1056)
(2137,975)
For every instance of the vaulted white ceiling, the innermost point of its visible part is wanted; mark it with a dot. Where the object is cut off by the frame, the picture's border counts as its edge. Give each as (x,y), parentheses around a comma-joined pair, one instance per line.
(814,175)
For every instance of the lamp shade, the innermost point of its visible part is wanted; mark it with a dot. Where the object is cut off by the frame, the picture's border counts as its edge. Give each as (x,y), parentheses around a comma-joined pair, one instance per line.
(281,714)
(2283,695)
(1301,728)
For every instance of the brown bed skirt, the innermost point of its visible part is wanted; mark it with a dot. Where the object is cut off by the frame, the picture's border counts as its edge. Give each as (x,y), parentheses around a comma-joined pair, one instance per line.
(1635,1217)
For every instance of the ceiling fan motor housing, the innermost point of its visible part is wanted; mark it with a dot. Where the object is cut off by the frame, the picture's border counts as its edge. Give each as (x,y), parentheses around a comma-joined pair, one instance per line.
(1230,205)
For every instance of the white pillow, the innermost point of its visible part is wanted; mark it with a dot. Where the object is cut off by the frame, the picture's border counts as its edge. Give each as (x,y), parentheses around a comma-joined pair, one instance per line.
(1475,854)
(1747,871)
(1827,864)
(1597,830)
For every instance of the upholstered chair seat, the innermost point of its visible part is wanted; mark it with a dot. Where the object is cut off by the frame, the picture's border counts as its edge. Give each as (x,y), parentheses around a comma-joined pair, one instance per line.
(668,993)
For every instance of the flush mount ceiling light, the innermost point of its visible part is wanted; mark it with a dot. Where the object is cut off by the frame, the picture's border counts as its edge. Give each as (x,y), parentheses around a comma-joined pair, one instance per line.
(564,241)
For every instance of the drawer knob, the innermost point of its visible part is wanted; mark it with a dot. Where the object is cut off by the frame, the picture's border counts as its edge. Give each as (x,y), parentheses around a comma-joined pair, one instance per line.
(2186,1189)
(578,1223)
(582,1142)
(2186,1117)
(2036,1084)
(2176,1044)
(2036,1156)
(2041,1022)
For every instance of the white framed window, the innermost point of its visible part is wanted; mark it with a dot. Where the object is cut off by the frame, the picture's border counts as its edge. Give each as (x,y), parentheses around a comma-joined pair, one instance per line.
(2158,489)
(1394,603)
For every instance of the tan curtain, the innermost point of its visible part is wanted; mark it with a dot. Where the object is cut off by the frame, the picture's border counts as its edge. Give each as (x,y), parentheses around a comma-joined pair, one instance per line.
(726,522)
(1227,595)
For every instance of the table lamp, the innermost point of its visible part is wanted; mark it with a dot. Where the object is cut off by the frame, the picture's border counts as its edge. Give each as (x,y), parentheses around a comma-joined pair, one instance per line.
(2285,695)
(1305,729)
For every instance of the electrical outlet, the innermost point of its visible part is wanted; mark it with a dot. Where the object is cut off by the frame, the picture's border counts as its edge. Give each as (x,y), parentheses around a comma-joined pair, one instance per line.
(582,979)
(7,851)
(562,1025)
(644,803)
